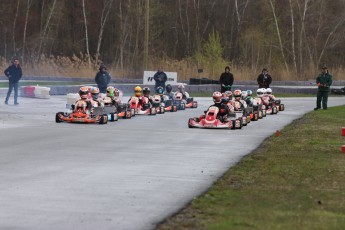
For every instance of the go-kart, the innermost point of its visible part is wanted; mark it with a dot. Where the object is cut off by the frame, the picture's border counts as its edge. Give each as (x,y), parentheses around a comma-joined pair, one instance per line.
(211,121)
(281,107)
(81,115)
(142,107)
(107,108)
(124,111)
(158,104)
(270,106)
(179,102)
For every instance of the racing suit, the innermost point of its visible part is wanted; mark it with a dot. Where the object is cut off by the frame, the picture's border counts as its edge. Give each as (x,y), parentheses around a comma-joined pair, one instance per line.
(224,111)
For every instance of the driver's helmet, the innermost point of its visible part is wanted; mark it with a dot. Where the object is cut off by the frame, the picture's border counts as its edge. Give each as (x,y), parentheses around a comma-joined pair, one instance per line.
(84,92)
(225,100)
(259,92)
(138,91)
(110,91)
(180,87)
(116,92)
(107,101)
(146,91)
(168,88)
(249,93)
(228,94)
(217,97)
(244,95)
(237,94)
(94,93)
(264,91)
(159,90)
(269,91)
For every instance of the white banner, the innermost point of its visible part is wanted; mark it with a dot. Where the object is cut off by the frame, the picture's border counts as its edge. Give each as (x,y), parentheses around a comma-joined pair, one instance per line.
(148,78)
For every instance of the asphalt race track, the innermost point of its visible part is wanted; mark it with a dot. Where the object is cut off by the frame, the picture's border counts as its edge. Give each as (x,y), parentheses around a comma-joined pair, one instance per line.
(129,174)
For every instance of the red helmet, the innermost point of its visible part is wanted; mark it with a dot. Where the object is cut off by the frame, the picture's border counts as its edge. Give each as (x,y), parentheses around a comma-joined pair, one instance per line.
(84,92)
(237,94)
(217,97)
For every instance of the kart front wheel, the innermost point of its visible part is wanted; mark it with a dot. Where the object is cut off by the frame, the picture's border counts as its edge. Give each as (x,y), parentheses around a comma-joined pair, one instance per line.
(57,117)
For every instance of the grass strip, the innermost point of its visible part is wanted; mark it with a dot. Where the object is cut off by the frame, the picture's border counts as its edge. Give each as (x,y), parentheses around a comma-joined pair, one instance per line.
(294,181)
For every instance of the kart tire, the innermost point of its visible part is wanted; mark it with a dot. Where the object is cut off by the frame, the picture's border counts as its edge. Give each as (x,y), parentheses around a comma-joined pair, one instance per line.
(57,117)
(274,110)
(128,114)
(233,124)
(195,104)
(133,112)
(264,113)
(255,116)
(281,107)
(112,117)
(182,106)
(260,114)
(103,119)
(241,123)
(162,109)
(189,125)
(174,108)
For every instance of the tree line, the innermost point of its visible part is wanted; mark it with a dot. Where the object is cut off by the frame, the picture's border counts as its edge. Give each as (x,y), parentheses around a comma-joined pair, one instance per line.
(292,37)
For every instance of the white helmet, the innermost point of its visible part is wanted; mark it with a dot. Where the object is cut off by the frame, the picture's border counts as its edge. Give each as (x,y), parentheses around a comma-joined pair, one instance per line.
(244,94)
(264,91)
(259,92)
(180,87)
(269,91)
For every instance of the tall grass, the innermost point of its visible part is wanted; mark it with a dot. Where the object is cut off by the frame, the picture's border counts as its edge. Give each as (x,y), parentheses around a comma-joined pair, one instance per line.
(78,66)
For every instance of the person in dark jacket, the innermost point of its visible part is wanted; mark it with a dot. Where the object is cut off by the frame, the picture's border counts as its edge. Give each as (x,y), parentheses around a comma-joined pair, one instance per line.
(102,79)
(226,80)
(264,79)
(14,74)
(160,78)
(323,81)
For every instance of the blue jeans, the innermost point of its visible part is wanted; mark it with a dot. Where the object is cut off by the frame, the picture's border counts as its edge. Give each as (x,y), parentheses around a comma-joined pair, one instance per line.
(12,85)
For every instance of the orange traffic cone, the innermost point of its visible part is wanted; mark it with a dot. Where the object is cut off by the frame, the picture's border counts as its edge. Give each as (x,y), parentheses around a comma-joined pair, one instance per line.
(277,133)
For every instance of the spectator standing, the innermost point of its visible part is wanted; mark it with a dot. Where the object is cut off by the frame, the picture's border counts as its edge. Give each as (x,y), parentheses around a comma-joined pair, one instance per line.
(323,81)
(102,79)
(226,80)
(14,74)
(160,78)
(264,79)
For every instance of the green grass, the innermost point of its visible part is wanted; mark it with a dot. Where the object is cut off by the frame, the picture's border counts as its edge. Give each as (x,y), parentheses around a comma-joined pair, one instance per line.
(294,181)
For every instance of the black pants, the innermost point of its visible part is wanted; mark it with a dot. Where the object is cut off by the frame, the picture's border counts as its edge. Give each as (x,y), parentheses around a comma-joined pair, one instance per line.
(11,86)
(322,96)
(103,89)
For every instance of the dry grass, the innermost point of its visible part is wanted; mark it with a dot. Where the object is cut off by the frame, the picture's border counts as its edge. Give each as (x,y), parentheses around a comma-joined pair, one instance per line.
(78,66)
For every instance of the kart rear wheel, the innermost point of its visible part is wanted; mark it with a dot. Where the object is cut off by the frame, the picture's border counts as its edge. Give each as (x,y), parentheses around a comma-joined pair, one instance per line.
(233,124)
(162,109)
(281,107)
(128,115)
(174,108)
(274,110)
(103,119)
(57,117)
(189,125)
(112,117)
(241,123)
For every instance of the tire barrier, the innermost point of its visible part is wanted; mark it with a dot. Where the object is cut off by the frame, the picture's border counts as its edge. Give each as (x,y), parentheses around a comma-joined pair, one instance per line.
(35,91)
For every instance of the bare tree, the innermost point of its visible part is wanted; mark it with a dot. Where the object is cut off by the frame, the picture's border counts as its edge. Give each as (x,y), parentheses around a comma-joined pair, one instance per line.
(29,2)
(279,37)
(86,35)
(14,28)
(105,13)
(44,31)
(293,37)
